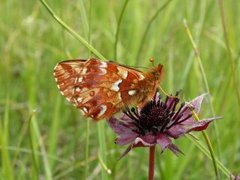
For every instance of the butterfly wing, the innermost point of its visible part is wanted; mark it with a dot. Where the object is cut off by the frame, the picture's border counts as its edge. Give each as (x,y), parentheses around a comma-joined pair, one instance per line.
(98,88)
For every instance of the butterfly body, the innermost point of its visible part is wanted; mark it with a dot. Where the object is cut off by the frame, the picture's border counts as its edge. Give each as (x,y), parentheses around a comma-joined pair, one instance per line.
(100,89)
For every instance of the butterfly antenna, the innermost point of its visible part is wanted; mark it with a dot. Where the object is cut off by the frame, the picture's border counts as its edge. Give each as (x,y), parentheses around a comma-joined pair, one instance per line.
(165,93)
(152,61)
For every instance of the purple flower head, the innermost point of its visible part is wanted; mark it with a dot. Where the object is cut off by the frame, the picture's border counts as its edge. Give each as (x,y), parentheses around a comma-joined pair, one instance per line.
(235,177)
(158,122)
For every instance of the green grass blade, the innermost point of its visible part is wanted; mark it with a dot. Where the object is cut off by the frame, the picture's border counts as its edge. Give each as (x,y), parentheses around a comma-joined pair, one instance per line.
(118,28)
(72,32)
(33,147)
(102,149)
(153,18)
(207,153)
(208,91)
(6,162)
(36,132)
(230,56)
(52,143)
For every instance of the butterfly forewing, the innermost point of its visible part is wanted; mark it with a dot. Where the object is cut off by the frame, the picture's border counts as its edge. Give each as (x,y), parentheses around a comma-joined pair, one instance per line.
(99,88)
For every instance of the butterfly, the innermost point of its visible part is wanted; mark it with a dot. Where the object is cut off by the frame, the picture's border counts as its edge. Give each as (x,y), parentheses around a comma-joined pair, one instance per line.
(101,88)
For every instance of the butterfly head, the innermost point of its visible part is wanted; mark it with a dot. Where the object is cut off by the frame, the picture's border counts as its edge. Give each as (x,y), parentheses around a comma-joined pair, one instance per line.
(157,72)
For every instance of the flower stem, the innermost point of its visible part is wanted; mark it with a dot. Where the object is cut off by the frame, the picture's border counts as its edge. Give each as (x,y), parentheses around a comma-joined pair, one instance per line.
(151,162)
(209,144)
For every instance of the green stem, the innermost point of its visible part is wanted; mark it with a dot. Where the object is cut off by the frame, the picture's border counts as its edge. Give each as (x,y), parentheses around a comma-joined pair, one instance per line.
(72,32)
(102,150)
(118,28)
(88,122)
(35,172)
(142,42)
(205,82)
(205,151)
(209,146)
(230,58)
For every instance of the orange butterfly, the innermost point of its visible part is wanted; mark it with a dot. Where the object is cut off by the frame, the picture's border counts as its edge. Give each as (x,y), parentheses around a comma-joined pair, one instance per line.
(100,89)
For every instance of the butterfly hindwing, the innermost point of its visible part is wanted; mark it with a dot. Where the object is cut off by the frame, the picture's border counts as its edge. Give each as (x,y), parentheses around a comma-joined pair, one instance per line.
(99,89)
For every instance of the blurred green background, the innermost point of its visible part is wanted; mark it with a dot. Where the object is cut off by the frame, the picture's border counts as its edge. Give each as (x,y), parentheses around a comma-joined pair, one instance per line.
(42,136)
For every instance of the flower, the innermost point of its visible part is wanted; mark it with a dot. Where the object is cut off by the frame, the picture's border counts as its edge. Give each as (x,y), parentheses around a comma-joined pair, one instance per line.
(158,122)
(237,177)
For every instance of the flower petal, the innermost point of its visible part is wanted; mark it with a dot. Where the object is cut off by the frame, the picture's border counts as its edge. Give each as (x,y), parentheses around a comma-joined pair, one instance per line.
(126,139)
(189,121)
(175,149)
(129,148)
(176,131)
(166,142)
(201,125)
(144,141)
(117,126)
(186,110)
(163,141)
(125,118)
(126,135)
(196,102)
(147,140)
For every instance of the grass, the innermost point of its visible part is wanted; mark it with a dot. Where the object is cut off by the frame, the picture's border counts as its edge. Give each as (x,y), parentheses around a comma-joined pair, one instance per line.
(42,136)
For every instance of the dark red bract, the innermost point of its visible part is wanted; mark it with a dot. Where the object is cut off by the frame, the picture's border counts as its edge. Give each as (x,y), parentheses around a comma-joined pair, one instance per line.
(157,122)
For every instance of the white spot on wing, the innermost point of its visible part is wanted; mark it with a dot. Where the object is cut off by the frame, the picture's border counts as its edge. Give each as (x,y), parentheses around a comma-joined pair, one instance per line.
(103,65)
(104,109)
(141,77)
(65,75)
(79,99)
(85,109)
(77,69)
(84,71)
(103,71)
(115,86)
(77,89)
(119,97)
(69,99)
(131,92)
(62,93)
(59,71)
(123,73)
(80,79)
(57,68)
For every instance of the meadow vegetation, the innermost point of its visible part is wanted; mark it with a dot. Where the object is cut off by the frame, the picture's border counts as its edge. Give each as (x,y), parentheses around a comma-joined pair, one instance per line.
(42,136)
